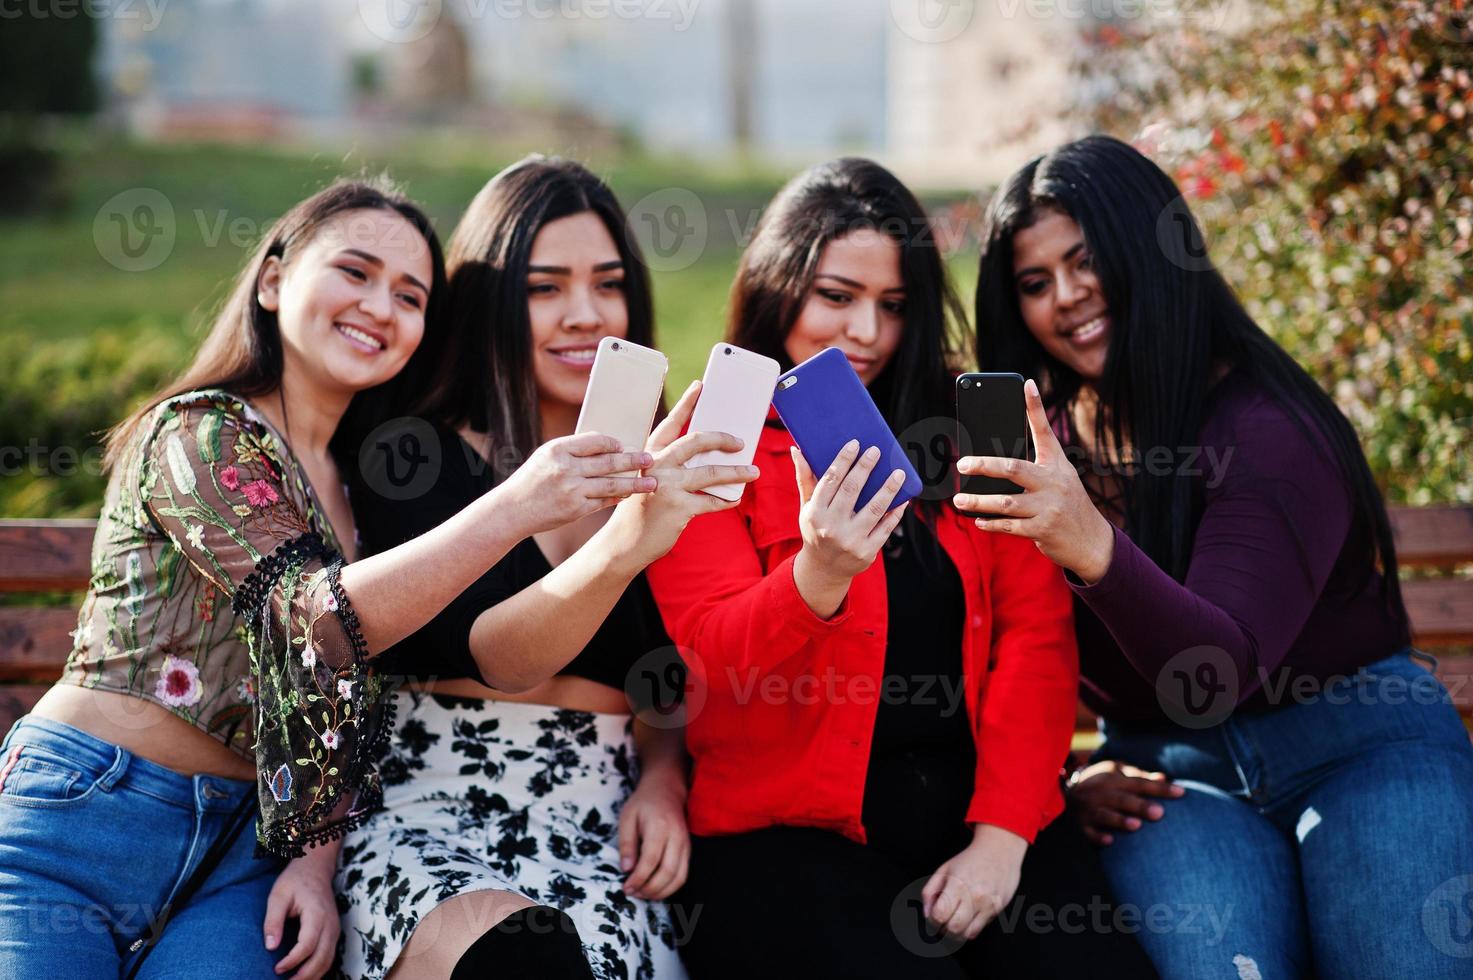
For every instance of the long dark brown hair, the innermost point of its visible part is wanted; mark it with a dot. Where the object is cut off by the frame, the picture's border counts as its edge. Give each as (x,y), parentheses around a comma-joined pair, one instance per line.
(1174,318)
(493,388)
(820,205)
(243,352)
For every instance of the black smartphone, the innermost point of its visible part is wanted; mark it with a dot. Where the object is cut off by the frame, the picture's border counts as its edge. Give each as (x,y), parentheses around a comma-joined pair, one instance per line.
(991,420)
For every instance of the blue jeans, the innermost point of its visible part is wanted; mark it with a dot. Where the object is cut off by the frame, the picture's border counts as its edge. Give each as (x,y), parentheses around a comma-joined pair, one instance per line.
(1330,838)
(94,841)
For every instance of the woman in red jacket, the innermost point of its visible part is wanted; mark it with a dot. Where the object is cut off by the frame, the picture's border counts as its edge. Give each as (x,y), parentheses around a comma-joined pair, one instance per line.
(875,743)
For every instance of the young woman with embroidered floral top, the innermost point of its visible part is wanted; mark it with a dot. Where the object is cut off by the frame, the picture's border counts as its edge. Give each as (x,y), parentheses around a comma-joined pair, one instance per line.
(886,699)
(532,823)
(223,652)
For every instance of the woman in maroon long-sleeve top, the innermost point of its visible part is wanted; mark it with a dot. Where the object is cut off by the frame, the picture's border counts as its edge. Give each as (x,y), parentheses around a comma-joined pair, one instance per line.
(1274,758)
(874,742)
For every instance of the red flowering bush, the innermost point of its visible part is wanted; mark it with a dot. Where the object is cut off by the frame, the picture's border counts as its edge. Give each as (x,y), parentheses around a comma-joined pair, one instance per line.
(1324,144)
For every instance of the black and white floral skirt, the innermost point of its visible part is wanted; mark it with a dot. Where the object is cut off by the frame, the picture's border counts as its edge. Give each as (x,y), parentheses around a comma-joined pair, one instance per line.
(482,794)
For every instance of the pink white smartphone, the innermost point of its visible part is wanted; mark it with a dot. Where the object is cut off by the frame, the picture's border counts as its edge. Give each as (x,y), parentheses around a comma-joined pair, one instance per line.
(735,394)
(623,392)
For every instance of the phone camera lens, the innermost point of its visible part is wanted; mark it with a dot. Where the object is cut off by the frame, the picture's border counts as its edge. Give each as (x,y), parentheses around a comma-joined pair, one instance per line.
(615,345)
(966,383)
(728,351)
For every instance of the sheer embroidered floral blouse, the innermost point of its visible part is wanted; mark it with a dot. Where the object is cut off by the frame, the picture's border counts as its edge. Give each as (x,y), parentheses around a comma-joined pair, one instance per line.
(215,593)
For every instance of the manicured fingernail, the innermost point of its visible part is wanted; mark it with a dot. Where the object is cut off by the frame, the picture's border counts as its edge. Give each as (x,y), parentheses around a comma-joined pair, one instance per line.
(1132,823)
(750,471)
(872,453)
(852,444)
(645,459)
(1031,388)
(1178,790)
(625,863)
(648,484)
(271,942)
(1155,812)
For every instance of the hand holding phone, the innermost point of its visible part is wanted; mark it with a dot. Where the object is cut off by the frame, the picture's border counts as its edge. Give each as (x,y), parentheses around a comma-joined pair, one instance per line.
(623,393)
(853,477)
(840,541)
(825,406)
(646,526)
(992,420)
(1051,508)
(735,394)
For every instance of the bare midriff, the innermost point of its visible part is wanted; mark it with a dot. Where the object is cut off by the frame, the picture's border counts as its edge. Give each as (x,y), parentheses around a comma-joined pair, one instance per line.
(151,732)
(145,729)
(563,691)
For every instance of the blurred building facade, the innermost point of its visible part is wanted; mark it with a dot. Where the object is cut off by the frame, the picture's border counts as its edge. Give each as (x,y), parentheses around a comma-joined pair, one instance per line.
(789,80)
(974,107)
(244,69)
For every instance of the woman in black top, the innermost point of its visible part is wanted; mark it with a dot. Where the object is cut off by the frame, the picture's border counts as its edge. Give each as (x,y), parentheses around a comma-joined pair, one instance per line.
(532,823)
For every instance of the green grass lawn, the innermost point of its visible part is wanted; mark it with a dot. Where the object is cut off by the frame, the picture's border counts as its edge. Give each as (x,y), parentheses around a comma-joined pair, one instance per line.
(83,340)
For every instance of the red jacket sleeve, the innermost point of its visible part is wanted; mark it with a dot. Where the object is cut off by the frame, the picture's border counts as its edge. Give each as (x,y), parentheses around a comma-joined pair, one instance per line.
(717,600)
(1028,710)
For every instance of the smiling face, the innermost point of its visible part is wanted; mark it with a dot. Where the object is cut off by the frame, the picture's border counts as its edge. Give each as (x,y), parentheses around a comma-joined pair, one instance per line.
(856,303)
(575,296)
(350,304)
(1059,295)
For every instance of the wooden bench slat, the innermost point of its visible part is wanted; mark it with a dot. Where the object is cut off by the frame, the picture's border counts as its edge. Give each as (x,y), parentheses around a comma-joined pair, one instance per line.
(45,556)
(1456,674)
(34,641)
(1432,536)
(16,700)
(1441,610)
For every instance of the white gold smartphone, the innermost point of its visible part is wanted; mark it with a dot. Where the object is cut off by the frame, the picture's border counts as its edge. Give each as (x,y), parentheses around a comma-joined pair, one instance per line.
(736,392)
(624,391)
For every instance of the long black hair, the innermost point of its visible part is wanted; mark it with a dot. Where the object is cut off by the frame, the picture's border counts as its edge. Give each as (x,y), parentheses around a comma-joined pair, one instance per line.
(825,203)
(493,388)
(1174,320)
(243,353)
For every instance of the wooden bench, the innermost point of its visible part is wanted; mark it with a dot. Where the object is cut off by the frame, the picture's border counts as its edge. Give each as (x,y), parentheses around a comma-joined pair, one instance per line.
(54,557)
(1434,546)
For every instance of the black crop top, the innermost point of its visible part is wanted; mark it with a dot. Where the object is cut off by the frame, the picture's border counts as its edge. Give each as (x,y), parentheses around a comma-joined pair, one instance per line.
(390,510)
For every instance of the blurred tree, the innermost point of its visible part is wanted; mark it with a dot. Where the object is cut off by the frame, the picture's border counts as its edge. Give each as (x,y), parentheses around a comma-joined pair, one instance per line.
(45,68)
(367,76)
(1324,144)
(46,59)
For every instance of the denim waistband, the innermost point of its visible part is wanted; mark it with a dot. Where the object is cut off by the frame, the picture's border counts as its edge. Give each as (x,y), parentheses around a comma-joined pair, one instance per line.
(110,766)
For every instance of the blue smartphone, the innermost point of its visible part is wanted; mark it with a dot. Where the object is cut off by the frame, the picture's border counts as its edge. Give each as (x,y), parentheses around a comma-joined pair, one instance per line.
(824,405)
